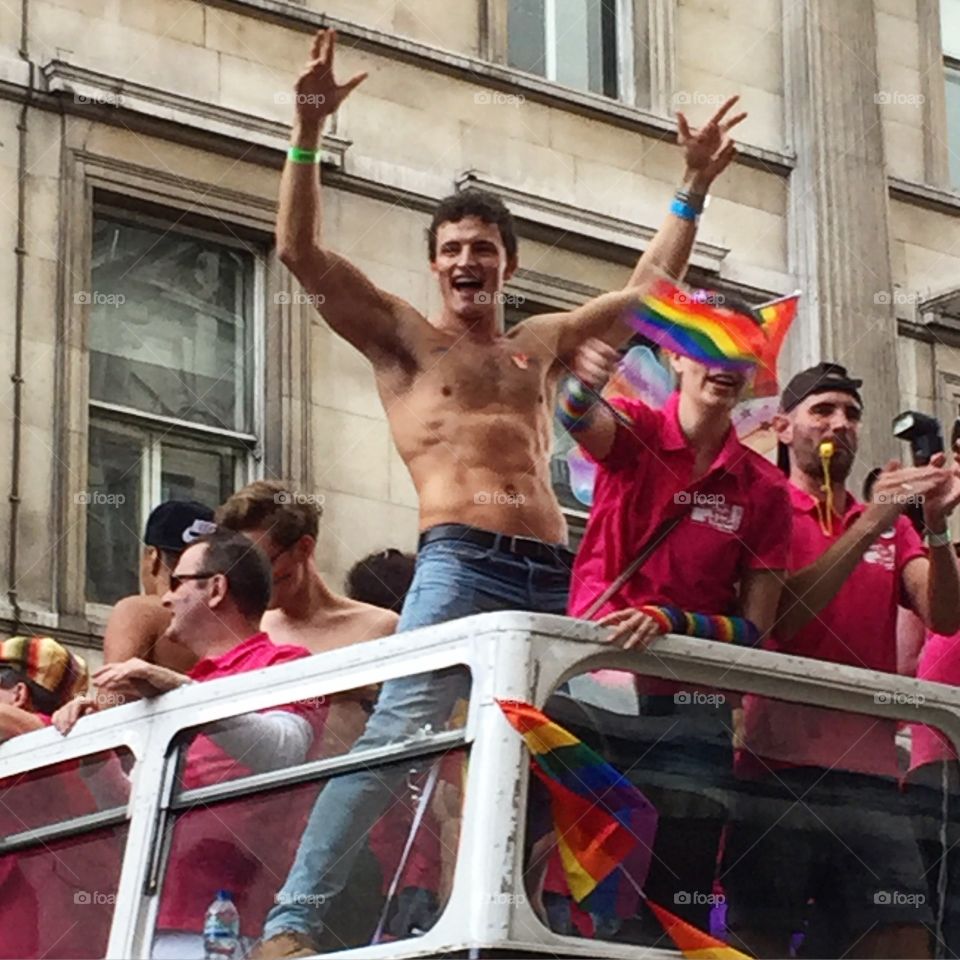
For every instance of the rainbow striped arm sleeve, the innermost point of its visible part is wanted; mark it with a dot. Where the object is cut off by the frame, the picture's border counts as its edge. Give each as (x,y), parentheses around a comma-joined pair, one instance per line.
(575,403)
(736,630)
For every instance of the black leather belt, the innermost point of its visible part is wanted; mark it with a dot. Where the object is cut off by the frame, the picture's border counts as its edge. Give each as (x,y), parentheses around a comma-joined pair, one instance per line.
(488,540)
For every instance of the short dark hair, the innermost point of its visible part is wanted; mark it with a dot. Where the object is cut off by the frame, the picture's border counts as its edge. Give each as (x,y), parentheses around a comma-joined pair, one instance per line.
(383,578)
(41,700)
(481,204)
(244,564)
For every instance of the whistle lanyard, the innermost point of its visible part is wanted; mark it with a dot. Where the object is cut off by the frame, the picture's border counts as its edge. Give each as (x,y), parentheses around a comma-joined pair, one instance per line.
(825,516)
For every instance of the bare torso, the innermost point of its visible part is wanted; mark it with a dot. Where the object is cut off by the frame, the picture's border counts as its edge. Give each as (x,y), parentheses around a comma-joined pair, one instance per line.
(473,422)
(340,624)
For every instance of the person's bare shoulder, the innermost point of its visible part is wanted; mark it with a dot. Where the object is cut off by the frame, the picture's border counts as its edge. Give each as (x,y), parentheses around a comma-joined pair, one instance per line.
(132,630)
(370,622)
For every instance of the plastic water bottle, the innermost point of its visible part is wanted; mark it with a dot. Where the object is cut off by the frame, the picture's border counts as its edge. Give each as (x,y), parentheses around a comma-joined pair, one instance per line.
(221,928)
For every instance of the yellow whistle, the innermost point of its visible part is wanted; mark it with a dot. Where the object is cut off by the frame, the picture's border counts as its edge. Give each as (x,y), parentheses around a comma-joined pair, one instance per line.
(826,449)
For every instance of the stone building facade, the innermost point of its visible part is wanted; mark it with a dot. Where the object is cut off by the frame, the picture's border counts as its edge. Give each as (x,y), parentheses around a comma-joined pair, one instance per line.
(151,344)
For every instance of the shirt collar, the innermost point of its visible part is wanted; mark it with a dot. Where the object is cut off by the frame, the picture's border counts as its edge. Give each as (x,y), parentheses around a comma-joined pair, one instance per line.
(672,437)
(207,665)
(804,502)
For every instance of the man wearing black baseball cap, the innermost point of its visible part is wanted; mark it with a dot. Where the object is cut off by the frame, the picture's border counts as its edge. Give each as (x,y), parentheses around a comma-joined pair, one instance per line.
(849,842)
(137,623)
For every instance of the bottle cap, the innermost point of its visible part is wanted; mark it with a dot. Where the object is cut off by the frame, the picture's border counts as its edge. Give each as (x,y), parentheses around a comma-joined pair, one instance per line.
(224,895)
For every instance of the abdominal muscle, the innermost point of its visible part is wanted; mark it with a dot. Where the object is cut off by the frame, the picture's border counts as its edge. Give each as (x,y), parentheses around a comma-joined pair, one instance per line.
(486,474)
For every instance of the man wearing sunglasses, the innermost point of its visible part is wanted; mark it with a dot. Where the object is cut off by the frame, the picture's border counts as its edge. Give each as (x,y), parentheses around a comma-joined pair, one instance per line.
(218,593)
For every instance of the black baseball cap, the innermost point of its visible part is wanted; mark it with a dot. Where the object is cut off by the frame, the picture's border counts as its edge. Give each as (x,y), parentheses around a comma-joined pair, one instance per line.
(175,524)
(822,378)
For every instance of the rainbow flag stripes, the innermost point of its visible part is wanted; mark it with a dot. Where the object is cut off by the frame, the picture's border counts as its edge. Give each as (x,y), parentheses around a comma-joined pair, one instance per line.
(694,944)
(696,324)
(600,818)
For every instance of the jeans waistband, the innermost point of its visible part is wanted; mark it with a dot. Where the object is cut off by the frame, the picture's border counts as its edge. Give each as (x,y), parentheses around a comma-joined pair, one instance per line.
(514,546)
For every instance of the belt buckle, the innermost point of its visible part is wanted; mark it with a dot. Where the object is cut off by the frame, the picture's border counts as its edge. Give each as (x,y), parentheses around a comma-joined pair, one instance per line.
(510,543)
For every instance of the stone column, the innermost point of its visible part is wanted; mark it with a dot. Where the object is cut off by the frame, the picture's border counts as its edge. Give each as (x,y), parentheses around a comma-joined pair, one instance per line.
(839,231)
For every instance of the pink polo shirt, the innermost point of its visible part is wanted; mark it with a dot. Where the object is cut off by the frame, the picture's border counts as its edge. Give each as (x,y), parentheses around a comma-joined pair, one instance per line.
(858,627)
(940,662)
(245,846)
(737,518)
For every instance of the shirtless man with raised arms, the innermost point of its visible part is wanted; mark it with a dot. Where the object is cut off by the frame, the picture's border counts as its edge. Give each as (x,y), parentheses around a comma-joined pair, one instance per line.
(471,410)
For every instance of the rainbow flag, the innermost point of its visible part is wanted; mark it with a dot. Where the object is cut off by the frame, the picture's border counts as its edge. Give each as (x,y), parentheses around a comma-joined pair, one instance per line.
(696,324)
(601,820)
(775,319)
(691,942)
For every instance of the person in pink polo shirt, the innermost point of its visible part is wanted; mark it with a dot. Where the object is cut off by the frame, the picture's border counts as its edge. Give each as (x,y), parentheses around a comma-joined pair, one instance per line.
(820,836)
(934,792)
(218,592)
(724,555)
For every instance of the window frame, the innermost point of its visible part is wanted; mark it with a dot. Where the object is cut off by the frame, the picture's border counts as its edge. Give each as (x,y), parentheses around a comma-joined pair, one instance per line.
(951,75)
(283,402)
(630,38)
(154,429)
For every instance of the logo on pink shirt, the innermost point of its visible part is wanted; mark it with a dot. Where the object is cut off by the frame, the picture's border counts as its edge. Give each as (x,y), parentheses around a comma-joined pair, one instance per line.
(720,516)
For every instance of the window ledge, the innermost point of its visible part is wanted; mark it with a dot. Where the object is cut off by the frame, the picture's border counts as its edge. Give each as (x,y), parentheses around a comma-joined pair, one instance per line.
(91,91)
(943,199)
(493,75)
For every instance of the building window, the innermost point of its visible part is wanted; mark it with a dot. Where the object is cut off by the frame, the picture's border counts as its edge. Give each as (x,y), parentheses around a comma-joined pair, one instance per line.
(173,352)
(950,32)
(572,42)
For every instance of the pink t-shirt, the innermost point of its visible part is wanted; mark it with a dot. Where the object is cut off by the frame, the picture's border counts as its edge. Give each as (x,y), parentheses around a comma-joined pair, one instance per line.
(247,845)
(940,662)
(737,518)
(858,627)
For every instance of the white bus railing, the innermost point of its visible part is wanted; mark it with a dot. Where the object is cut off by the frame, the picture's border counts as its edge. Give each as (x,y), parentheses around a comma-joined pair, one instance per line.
(509,656)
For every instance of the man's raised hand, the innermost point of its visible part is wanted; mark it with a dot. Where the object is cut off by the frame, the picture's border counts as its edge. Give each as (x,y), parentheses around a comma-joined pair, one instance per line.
(709,149)
(317,92)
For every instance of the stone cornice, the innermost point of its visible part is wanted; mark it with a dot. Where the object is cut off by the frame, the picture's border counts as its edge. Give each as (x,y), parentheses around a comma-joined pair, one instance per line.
(90,93)
(925,195)
(493,76)
(588,224)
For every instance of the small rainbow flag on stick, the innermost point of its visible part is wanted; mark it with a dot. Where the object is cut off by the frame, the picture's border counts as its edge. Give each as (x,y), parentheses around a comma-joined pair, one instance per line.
(601,819)
(697,324)
(694,944)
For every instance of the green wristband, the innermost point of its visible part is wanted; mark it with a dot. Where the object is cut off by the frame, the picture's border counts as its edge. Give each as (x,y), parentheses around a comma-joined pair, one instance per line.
(302,155)
(939,539)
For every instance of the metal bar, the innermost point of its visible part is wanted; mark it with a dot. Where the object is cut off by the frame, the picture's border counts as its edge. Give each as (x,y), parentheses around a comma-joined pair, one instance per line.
(66,828)
(332,766)
(227,437)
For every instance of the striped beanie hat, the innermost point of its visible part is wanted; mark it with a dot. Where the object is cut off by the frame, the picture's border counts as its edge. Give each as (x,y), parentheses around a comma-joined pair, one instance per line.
(48,664)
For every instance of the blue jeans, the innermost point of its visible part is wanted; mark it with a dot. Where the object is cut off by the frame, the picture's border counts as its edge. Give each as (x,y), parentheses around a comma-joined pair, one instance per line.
(453,579)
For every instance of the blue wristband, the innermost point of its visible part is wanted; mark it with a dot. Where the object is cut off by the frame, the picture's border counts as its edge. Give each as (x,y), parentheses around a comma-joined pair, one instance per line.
(683,210)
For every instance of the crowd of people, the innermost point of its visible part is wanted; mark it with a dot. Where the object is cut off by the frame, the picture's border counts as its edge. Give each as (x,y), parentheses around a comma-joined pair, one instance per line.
(804,817)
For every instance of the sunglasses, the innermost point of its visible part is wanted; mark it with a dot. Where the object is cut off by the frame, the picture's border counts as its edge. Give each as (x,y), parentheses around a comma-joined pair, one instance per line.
(176,579)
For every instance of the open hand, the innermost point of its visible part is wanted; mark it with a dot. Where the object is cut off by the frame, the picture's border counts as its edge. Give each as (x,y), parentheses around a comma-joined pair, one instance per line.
(634,629)
(709,149)
(317,92)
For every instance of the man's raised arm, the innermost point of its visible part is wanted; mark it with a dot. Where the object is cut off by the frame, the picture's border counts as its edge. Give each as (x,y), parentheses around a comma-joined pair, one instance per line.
(355,308)
(707,153)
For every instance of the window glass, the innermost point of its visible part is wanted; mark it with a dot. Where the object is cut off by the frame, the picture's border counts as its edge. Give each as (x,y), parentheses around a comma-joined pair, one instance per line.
(261,847)
(811,826)
(57,895)
(169,328)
